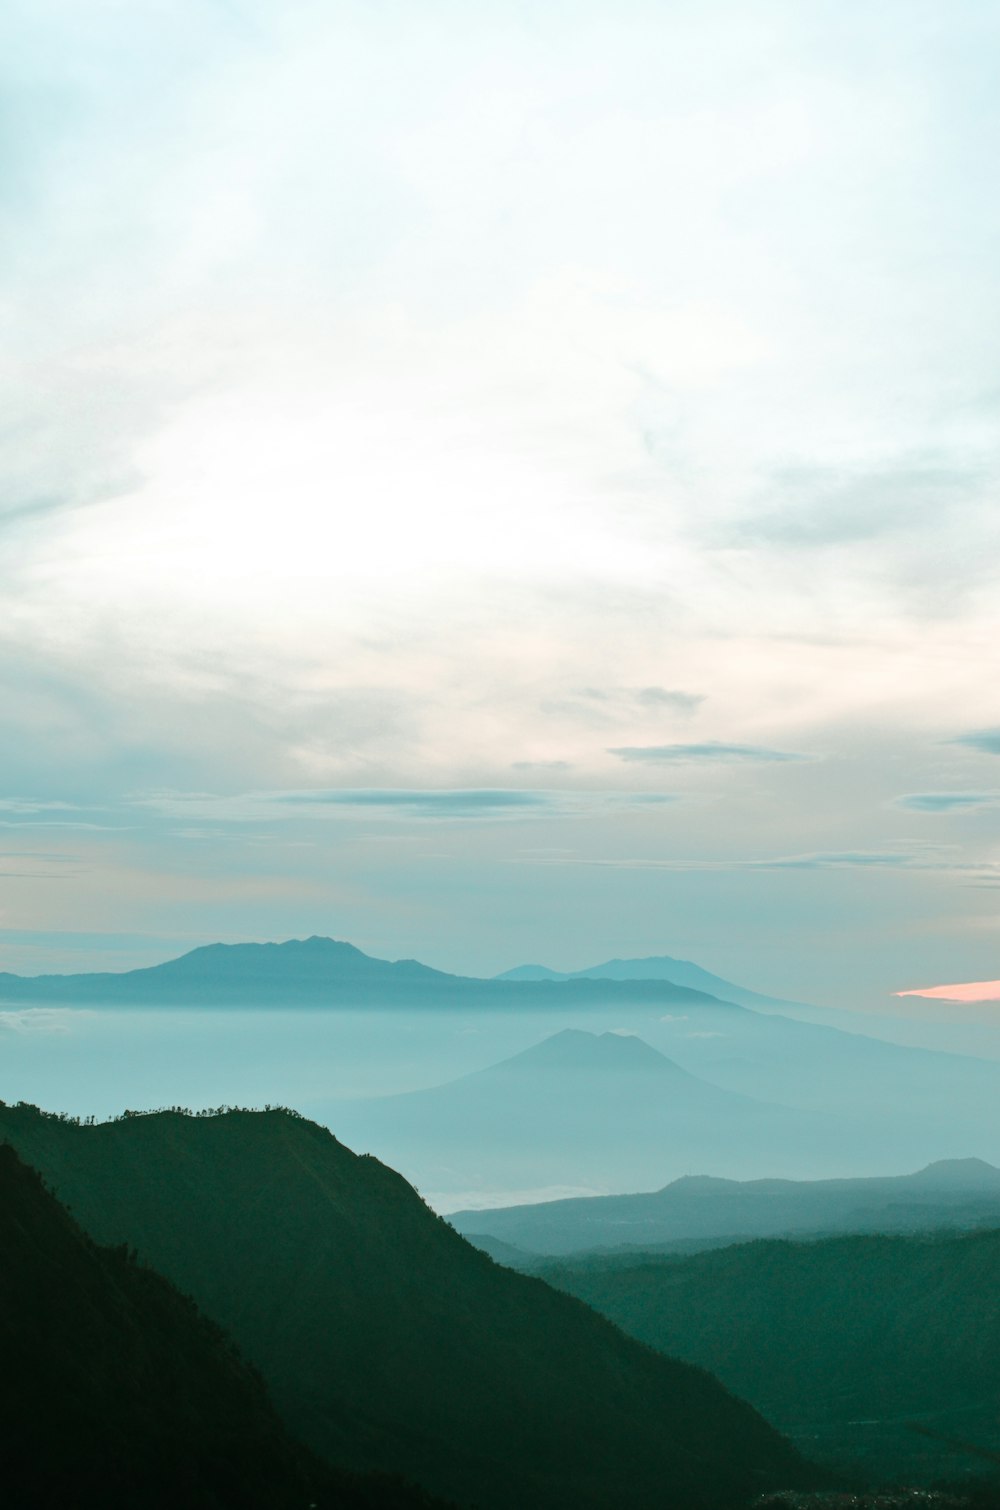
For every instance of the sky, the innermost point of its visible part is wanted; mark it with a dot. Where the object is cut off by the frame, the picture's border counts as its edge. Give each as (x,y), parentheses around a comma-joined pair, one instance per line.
(499,481)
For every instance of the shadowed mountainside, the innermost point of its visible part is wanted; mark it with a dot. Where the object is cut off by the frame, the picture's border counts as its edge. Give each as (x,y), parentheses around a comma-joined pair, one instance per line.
(115,1392)
(387,1341)
(700,1210)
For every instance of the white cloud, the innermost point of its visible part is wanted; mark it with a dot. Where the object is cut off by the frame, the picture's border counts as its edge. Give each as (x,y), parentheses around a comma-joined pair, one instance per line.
(378,380)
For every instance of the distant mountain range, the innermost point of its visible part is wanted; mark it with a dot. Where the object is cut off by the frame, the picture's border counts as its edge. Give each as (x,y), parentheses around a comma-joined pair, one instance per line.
(116,1393)
(702,1212)
(679,972)
(890,1106)
(847,1343)
(325,971)
(300,971)
(579,1107)
(386,1340)
(317,972)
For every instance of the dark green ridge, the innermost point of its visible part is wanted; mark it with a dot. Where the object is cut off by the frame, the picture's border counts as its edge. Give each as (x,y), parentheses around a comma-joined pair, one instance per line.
(847,1342)
(116,1393)
(386,1340)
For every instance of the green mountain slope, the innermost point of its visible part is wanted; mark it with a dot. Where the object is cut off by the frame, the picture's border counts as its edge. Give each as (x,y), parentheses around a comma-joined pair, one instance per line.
(387,1341)
(115,1392)
(844,1343)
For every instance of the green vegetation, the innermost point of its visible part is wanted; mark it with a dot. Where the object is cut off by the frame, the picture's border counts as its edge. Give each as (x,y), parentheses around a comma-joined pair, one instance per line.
(116,1393)
(386,1340)
(847,1344)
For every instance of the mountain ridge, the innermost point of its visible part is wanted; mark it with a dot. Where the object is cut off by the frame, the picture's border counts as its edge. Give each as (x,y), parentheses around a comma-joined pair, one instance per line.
(107,1368)
(884,1104)
(313,971)
(948,1192)
(577,1109)
(679,972)
(386,1340)
(575,1048)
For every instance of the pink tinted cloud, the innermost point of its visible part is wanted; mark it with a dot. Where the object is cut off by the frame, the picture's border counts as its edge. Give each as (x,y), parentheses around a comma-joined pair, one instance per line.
(973,990)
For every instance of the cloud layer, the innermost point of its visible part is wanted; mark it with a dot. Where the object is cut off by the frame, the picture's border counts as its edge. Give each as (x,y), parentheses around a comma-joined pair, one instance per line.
(987,741)
(420,421)
(712,749)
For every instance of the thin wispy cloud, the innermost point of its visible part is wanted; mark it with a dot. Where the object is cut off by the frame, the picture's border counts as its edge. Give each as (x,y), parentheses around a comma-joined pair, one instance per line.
(843,860)
(987,741)
(257,807)
(462,803)
(44,1020)
(669,699)
(53,857)
(708,751)
(33,875)
(541,765)
(485,804)
(29,821)
(922,861)
(947,802)
(823,508)
(26,814)
(606,707)
(33,805)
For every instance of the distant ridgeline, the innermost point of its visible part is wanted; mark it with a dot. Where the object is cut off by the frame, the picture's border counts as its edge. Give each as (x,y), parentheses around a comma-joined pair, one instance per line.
(606,1108)
(386,1341)
(713,1087)
(698,1211)
(317,972)
(680,972)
